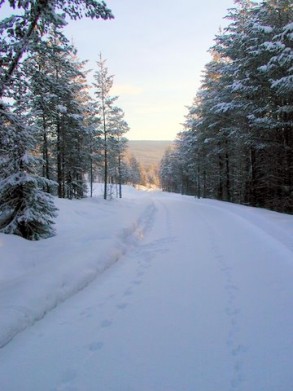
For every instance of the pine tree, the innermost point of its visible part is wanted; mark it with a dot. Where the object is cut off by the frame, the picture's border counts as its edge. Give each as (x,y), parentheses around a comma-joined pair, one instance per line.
(61,103)
(117,146)
(21,33)
(111,126)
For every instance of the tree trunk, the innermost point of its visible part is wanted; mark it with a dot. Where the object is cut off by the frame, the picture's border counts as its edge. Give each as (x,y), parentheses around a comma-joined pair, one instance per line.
(119,175)
(227,169)
(46,164)
(59,160)
(105,167)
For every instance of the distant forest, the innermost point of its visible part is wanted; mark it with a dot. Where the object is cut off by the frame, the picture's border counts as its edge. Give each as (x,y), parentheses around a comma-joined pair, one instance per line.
(147,155)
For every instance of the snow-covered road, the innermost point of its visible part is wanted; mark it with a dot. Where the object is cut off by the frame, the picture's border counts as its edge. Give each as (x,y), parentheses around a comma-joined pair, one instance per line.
(200,299)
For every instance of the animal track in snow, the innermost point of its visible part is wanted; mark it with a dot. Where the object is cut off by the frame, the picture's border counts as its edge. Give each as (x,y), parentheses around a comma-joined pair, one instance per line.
(128,292)
(95,346)
(106,323)
(232,311)
(137,282)
(122,306)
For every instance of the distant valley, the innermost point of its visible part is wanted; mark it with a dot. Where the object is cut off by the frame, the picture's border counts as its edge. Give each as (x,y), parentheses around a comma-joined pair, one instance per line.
(148,152)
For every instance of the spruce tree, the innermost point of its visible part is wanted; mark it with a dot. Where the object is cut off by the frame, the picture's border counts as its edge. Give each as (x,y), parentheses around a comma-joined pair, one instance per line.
(25,209)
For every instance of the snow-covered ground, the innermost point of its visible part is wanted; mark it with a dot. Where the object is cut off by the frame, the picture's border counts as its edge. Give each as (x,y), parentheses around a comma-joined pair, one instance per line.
(154,292)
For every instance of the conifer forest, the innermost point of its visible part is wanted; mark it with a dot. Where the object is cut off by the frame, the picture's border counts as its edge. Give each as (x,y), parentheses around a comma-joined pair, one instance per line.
(237,141)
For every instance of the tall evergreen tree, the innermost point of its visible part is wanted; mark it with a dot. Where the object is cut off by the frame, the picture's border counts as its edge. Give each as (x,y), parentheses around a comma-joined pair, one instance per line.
(25,210)
(111,125)
(117,146)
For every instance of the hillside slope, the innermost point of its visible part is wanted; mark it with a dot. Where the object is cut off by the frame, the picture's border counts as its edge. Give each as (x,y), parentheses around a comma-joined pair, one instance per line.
(153,292)
(148,152)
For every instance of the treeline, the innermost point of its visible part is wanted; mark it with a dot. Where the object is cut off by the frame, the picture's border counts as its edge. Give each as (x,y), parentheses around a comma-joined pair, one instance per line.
(139,173)
(54,136)
(237,141)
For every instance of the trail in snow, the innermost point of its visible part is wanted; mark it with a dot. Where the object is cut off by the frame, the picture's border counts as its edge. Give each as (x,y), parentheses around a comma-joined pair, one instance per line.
(200,299)
(38,276)
(255,285)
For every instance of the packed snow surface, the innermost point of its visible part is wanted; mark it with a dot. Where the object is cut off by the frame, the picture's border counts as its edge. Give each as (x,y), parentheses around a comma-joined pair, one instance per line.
(154,292)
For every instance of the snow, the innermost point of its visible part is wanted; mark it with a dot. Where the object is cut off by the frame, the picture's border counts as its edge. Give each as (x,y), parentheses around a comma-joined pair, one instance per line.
(276,46)
(61,109)
(154,292)
(288,28)
(284,83)
(264,29)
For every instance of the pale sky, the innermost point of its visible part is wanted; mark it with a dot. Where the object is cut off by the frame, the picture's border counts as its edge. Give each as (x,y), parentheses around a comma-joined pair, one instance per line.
(156,50)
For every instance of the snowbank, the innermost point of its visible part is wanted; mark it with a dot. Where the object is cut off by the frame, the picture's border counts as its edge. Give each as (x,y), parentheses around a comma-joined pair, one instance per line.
(92,234)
